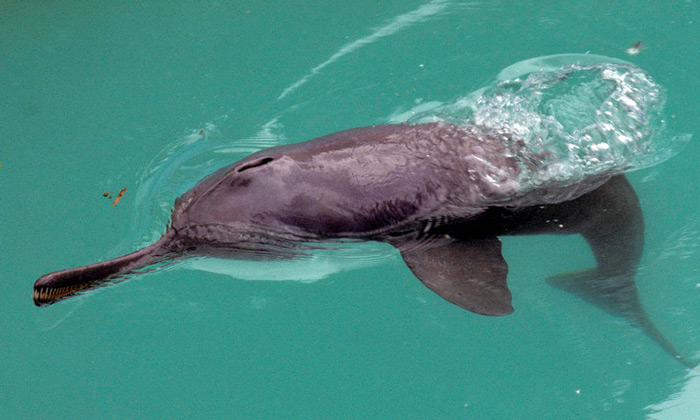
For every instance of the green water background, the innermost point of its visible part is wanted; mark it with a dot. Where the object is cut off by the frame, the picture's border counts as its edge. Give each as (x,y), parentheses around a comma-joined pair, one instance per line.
(91,92)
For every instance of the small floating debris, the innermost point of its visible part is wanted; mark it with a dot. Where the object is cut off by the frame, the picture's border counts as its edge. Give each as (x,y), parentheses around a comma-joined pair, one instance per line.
(119,197)
(635,49)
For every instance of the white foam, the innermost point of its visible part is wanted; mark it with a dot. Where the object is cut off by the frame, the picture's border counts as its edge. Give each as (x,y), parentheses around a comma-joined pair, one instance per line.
(573,117)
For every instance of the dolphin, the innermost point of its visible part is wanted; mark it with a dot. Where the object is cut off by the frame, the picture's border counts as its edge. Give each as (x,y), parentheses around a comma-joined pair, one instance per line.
(441,193)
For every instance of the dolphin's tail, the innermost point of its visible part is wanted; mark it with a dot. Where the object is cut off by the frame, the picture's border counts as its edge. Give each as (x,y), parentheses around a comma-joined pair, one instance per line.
(617,295)
(59,285)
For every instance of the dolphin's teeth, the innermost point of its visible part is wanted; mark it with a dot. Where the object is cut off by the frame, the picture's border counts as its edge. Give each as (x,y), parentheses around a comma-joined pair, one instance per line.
(52,293)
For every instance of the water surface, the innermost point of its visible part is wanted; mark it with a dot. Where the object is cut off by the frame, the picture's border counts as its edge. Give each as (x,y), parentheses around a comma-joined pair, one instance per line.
(99,96)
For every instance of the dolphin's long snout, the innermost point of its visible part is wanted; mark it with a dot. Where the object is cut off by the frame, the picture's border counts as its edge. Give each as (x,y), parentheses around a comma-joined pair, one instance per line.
(53,287)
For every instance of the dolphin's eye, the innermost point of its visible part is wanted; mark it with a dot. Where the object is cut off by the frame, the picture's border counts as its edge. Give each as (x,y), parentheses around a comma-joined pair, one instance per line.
(255,163)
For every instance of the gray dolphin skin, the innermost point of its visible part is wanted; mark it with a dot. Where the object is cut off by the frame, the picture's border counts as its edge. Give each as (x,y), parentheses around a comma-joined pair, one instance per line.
(442,194)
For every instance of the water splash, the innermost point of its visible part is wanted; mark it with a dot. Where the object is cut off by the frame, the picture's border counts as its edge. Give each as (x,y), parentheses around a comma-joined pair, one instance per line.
(572,116)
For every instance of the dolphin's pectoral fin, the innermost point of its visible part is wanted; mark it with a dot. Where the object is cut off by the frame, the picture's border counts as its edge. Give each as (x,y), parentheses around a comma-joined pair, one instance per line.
(470,274)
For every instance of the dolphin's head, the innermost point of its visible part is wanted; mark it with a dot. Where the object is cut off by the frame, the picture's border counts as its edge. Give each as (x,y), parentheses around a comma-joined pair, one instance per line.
(229,207)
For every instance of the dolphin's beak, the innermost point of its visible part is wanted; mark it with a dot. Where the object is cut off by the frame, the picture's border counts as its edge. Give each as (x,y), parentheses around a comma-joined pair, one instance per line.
(59,285)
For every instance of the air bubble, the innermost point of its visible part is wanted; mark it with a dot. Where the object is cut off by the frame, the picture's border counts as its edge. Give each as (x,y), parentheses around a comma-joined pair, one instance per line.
(569,118)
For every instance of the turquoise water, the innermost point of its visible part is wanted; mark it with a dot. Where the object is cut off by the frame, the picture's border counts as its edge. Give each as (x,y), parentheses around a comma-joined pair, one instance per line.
(98,96)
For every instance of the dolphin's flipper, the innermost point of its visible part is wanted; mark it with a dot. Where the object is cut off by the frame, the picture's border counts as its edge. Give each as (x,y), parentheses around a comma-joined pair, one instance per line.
(470,274)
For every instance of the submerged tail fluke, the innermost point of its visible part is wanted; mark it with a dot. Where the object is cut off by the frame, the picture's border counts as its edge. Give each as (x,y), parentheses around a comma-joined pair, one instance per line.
(617,295)
(59,285)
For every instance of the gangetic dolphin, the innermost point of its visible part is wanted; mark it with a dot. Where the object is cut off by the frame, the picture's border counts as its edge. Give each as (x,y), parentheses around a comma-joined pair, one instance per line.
(441,193)
(394,183)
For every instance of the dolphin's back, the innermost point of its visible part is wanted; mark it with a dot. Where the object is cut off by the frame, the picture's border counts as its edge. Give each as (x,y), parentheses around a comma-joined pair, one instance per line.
(359,182)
